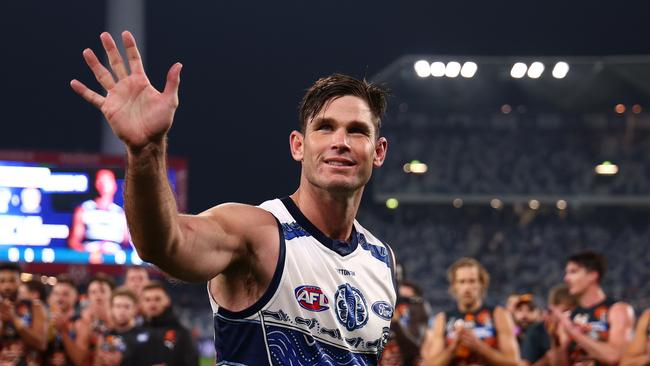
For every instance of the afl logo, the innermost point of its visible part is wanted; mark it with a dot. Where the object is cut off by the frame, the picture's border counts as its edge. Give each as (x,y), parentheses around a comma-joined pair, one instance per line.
(383,309)
(351,308)
(311,298)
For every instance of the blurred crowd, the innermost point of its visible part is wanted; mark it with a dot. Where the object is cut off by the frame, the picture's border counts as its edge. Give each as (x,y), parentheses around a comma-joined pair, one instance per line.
(133,324)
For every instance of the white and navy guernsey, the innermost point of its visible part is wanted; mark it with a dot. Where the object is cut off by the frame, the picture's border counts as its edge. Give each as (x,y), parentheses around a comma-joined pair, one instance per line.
(329,303)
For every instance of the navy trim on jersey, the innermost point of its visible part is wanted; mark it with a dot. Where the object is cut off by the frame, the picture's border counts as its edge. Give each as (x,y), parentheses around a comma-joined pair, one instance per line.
(392,264)
(273,286)
(340,247)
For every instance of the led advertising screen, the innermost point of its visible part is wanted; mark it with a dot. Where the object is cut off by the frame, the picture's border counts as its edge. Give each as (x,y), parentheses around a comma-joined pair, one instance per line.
(69,208)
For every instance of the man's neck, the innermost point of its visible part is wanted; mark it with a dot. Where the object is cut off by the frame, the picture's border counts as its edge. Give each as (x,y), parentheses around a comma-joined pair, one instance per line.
(592,296)
(469,308)
(104,202)
(332,214)
(124,328)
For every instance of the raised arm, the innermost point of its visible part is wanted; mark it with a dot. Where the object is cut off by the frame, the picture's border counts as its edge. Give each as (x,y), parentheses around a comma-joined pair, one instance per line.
(434,350)
(192,248)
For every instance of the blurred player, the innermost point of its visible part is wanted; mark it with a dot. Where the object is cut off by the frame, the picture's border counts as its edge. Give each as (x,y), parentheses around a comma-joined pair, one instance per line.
(598,329)
(472,333)
(99,225)
(61,347)
(525,314)
(117,346)
(537,340)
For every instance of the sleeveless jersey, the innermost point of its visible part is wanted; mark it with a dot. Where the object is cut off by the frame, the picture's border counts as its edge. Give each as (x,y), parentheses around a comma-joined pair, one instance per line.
(329,302)
(482,325)
(594,322)
(103,227)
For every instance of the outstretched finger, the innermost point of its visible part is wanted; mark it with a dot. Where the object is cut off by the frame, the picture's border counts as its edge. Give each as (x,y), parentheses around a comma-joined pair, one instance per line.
(173,81)
(132,53)
(103,76)
(89,95)
(114,57)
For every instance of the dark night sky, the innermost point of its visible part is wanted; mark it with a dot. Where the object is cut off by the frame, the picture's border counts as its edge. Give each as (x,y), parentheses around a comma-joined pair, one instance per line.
(247,63)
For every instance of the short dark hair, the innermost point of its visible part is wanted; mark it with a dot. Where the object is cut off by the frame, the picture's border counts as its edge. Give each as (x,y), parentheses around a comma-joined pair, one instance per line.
(413,286)
(37,287)
(12,267)
(591,261)
(102,278)
(153,285)
(335,86)
(65,279)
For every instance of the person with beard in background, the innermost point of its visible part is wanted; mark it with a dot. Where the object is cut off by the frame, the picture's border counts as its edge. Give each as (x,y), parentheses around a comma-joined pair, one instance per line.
(472,333)
(24,326)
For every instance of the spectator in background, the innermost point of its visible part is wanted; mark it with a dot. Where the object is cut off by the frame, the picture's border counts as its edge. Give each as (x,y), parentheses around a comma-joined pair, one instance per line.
(525,314)
(95,318)
(62,347)
(117,346)
(408,327)
(511,301)
(170,343)
(99,225)
(537,340)
(638,352)
(472,333)
(24,324)
(136,278)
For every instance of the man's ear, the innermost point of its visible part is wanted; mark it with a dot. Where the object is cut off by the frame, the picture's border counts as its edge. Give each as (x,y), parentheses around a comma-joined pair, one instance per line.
(296,140)
(381,147)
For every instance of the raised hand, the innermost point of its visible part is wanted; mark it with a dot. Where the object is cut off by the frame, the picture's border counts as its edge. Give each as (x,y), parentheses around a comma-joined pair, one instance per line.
(137,112)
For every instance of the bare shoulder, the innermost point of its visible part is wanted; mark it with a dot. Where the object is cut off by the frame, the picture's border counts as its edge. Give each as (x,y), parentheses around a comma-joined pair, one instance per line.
(249,222)
(622,311)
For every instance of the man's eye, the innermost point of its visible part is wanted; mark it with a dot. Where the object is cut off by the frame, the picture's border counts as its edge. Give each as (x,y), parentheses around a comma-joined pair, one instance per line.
(325,127)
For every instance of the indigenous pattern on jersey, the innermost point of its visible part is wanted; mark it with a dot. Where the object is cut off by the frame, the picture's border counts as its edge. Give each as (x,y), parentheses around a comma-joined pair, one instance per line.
(593,322)
(105,229)
(13,349)
(482,325)
(329,303)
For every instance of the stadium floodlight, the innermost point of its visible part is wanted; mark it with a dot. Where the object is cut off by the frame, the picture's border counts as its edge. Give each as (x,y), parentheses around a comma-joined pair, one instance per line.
(496,204)
(535,70)
(392,203)
(453,69)
(457,202)
(560,70)
(561,205)
(606,168)
(533,204)
(518,70)
(422,68)
(438,69)
(469,69)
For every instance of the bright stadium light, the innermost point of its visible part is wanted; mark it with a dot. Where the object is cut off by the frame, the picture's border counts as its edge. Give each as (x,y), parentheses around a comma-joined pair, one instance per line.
(422,68)
(560,70)
(533,204)
(535,70)
(518,70)
(392,203)
(606,168)
(496,204)
(438,69)
(469,69)
(453,69)
(561,205)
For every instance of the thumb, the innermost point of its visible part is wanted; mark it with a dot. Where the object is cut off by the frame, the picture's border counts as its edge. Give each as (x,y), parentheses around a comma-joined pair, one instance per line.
(173,81)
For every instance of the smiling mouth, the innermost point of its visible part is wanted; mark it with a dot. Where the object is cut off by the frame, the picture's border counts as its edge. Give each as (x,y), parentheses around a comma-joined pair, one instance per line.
(339,163)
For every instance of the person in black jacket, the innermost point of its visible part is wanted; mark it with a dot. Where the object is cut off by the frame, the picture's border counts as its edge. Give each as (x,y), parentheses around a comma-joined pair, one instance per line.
(170,343)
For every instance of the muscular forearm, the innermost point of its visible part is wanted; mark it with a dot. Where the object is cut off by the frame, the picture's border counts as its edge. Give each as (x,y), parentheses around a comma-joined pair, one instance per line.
(441,359)
(601,351)
(150,206)
(34,338)
(495,357)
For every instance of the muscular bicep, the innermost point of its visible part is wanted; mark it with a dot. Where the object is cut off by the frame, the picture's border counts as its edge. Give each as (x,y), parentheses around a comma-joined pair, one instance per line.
(506,333)
(210,242)
(621,319)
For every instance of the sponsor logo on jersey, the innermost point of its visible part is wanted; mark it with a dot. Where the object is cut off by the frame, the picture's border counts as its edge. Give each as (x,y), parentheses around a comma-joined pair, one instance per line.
(351,307)
(383,309)
(311,298)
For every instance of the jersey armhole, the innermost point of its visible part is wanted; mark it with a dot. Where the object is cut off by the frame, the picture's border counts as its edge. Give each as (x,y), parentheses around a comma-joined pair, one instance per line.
(270,291)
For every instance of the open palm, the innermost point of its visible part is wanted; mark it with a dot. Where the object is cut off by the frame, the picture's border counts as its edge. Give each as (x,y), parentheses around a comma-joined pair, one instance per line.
(136,111)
